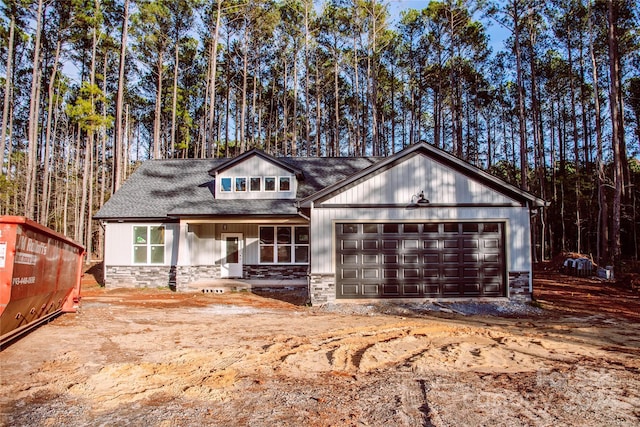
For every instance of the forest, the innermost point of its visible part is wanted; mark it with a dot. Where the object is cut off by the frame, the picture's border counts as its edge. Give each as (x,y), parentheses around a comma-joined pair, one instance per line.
(91,88)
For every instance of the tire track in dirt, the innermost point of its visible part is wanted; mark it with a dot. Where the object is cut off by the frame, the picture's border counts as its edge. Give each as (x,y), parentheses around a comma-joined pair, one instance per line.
(421,347)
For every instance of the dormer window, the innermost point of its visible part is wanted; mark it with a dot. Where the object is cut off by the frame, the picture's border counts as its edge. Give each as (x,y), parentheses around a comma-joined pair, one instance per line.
(255,184)
(285,183)
(270,183)
(241,184)
(225,184)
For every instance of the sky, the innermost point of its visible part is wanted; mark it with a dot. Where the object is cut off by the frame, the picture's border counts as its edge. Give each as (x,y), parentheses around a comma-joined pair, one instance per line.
(497,34)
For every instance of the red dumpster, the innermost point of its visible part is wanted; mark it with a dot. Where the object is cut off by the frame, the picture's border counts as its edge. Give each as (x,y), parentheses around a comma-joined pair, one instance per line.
(40,273)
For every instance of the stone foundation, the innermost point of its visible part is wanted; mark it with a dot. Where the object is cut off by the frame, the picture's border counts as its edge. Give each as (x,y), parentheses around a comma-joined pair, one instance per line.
(181,276)
(274,272)
(322,288)
(143,276)
(519,286)
(187,274)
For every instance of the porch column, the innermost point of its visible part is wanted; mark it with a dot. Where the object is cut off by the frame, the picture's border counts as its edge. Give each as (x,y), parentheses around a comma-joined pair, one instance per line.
(183,274)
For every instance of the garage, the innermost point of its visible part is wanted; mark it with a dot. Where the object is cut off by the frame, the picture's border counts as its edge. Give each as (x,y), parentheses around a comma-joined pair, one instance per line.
(420,259)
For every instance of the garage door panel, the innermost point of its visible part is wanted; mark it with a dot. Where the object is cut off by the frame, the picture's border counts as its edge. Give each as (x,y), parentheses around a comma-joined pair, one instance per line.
(420,260)
(451,289)
(391,273)
(411,289)
(431,258)
(431,290)
(391,289)
(471,288)
(430,244)
(370,259)
(370,245)
(370,273)
(350,290)
(410,259)
(410,273)
(349,273)
(349,259)
(371,289)
(451,257)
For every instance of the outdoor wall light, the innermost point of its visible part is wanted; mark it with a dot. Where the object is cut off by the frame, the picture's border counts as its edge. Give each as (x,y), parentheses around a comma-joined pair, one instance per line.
(419,199)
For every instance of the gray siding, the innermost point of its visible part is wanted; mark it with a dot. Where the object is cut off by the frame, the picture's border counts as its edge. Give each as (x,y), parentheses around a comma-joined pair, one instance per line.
(440,183)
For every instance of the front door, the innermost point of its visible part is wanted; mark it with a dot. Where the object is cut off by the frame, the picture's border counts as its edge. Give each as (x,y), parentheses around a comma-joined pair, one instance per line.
(231,255)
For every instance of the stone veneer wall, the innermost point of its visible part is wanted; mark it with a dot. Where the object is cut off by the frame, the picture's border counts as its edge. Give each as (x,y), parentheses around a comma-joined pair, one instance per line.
(179,277)
(275,272)
(322,288)
(186,274)
(139,276)
(519,286)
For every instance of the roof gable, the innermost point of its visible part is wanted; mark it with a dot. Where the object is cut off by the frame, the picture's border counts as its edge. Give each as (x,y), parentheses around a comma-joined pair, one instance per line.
(439,158)
(260,154)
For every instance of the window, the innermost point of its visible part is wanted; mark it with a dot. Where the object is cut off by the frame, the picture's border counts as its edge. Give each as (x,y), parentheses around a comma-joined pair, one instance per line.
(285,183)
(255,184)
(270,183)
(225,184)
(284,245)
(241,184)
(148,244)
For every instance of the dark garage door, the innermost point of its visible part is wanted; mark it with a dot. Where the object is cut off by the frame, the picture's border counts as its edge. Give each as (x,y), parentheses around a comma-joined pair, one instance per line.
(426,260)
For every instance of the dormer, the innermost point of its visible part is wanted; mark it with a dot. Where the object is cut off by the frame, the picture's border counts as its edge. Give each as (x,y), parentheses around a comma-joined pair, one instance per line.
(256,175)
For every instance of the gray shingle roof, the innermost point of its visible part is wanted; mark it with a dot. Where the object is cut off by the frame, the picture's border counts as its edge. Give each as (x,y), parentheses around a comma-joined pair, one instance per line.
(173,188)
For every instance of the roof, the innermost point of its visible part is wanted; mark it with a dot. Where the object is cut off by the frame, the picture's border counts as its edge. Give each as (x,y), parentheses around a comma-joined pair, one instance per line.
(166,189)
(162,189)
(438,155)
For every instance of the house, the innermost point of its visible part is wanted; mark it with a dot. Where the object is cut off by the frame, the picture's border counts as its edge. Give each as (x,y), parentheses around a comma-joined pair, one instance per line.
(419,224)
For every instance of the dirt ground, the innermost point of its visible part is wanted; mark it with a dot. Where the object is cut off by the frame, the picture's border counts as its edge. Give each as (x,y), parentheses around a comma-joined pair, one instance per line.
(159,358)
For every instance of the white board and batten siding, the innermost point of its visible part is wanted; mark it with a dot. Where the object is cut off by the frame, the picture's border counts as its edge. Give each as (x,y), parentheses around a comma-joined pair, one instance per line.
(118,247)
(256,167)
(395,189)
(440,183)
(205,245)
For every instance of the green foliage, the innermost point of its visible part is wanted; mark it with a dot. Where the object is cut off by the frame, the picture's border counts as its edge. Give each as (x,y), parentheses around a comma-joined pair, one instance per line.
(83,111)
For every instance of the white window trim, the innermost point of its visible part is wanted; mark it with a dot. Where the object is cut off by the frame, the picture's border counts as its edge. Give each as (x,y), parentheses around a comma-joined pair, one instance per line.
(290,184)
(275,186)
(235,184)
(148,245)
(255,177)
(292,245)
(231,186)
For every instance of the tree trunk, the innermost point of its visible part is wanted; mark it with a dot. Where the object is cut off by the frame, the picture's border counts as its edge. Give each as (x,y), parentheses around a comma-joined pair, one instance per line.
(8,84)
(32,151)
(617,130)
(44,201)
(245,71)
(158,108)
(521,113)
(118,152)
(602,248)
(213,57)
(174,100)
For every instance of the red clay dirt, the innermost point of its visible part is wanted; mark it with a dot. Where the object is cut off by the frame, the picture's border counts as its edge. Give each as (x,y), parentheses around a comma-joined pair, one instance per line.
(154,357)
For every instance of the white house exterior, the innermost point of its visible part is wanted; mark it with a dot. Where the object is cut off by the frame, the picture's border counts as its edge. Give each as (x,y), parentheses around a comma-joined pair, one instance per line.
(420,224)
